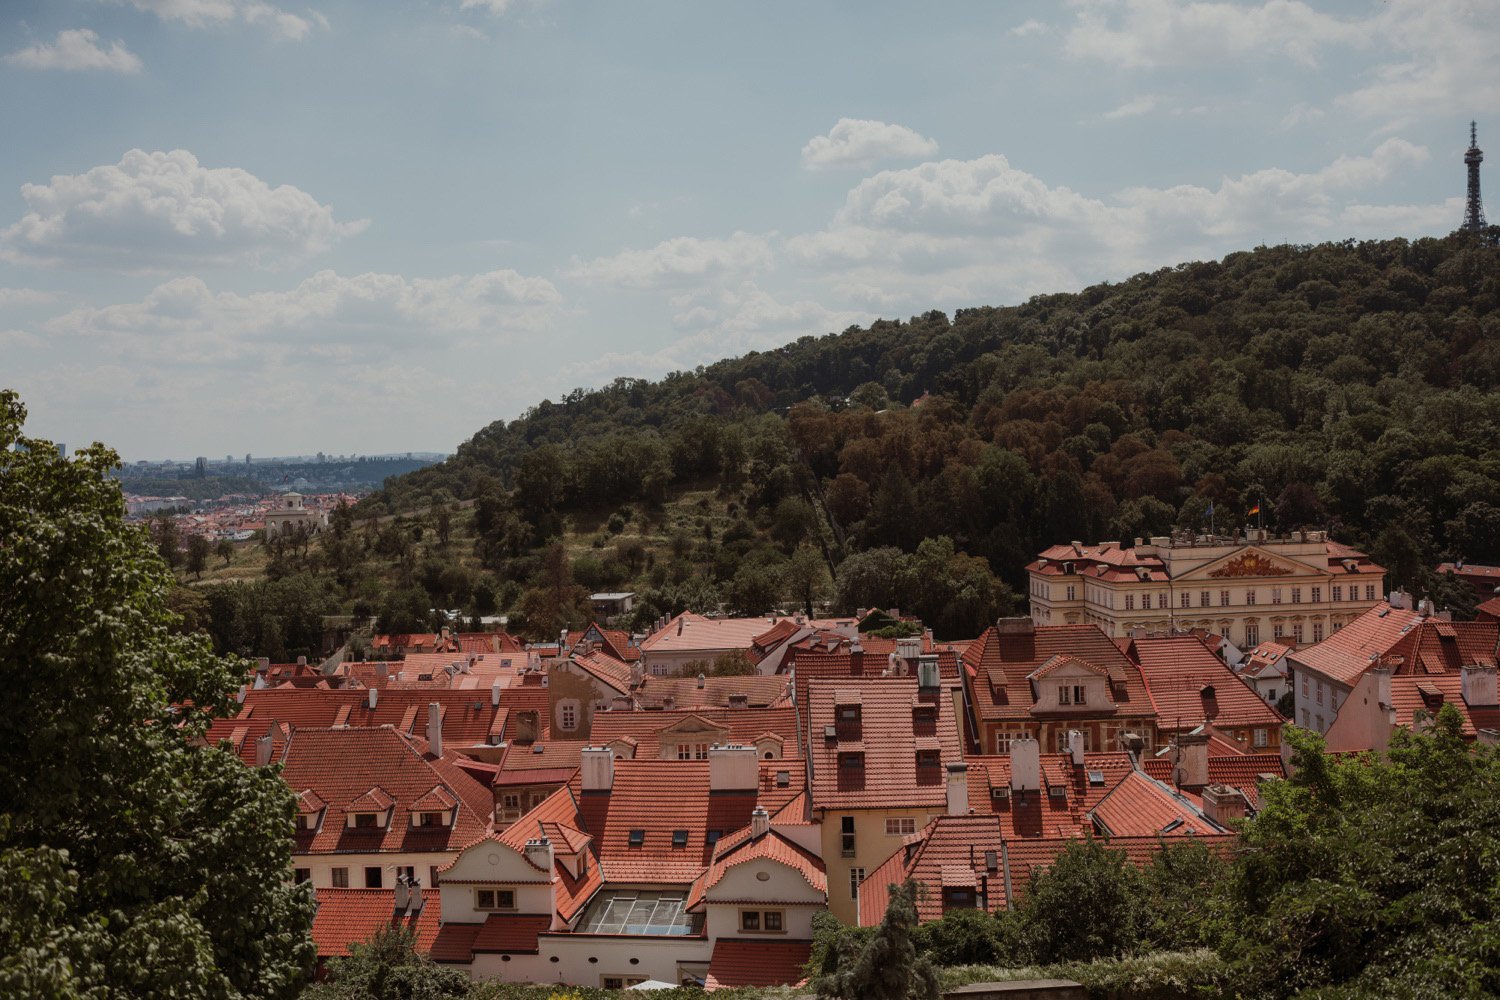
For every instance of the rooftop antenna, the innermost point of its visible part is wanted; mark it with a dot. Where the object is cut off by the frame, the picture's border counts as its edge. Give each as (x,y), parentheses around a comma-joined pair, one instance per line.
(1474,208)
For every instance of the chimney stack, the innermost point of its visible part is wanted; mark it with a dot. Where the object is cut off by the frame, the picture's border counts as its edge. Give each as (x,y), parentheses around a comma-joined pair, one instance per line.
(1025,765)
(732,769)
(1380,675)
(371,697)
(539,853)
(435,728)
(928,677)
(301,661)
(495,693)
(760,822)
(598,769)
(403,893)
(262,664)
(1478,683)
(1075,747)
(702,681)
(263,749)
(1015,626)
(958,789)
(1192,760)
(1221,804)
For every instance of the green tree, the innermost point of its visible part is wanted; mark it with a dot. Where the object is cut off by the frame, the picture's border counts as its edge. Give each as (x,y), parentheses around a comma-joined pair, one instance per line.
(168,539)
(160,864)
(1363,876)
(225,550)
(1087,878)
(197,555)
(389,967)
(887,967)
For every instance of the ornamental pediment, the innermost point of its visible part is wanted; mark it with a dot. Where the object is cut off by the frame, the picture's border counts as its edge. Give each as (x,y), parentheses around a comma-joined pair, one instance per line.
(1252,563)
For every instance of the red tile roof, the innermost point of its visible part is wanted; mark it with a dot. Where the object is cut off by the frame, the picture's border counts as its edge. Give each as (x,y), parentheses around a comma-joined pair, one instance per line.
(770,846)
(955,843)
(466,715)
(684,692)
(1421,645)
(355,770)
(1409,694)
(999,664)
(892,715)
(1190,685)
(742,726)
(1142,807)
(511,933)
(741,962)
(352,916)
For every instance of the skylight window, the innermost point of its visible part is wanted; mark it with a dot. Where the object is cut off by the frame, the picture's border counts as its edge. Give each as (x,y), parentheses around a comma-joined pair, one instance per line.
(1172,825)
(636,912)
(1096,778)
(637,838)
(679,838)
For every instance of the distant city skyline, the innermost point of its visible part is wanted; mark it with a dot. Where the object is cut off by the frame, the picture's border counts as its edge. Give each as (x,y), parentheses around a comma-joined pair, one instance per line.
(228,225)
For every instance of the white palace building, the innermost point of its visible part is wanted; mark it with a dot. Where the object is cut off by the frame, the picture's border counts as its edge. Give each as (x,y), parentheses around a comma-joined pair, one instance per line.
(1250,587)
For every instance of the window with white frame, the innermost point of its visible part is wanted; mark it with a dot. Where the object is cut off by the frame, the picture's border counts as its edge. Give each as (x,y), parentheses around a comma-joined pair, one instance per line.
(1317,631)
(856,876)
(494,898)
(900,826)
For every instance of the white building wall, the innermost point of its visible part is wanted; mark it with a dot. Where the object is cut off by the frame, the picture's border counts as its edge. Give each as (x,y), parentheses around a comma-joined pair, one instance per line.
(321,866)
(612,955)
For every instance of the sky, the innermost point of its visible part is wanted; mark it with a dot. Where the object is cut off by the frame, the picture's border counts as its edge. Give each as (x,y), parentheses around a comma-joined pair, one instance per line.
(371,226)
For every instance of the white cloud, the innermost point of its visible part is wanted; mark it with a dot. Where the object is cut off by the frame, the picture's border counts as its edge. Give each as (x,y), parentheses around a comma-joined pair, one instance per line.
(327,318)
(496,7)
(1427,55)
(970,231)
(1147,33)
(1030,27)
(76,49)
(683,260)
(157,210)
(858,142)
(1300,114)
(25,297)
(201,13)
(1136,106)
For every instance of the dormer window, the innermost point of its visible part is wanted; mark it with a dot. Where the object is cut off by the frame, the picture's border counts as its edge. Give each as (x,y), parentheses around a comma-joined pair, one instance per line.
(929,758)
(852,760)
(430,819)
(849,715)
(366,821)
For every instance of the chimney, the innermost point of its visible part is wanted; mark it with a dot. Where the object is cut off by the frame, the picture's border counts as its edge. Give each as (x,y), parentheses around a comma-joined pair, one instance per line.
(732,769)
(403,894)
(760,822)
(435,728)
(598,769)
(539,853)
(262,664)
(414,898)
(239,695)
(1221,803)
(958,789)
(1025,765)
(1192,760)
(263,750)
(383,670)
(1075,747)
(495,693)
(1380,675)
(679,625)
(1015,626)
(909,649)
(928,678)
(637,674)
(371,697)
(856,658)
(1478,685)
(301,661)
(445,633)
(1425,608)
(702,682)
(1398,599)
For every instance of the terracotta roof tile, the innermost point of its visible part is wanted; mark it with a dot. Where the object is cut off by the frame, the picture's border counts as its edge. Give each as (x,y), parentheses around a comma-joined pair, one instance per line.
(743,726)
(1353,649)
(890,775)
(355,770)
(1000,663)
(741,962)
(352,916)
(1180,672)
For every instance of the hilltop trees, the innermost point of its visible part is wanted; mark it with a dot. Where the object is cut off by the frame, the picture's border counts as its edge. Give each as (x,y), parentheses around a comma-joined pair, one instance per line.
(133,861)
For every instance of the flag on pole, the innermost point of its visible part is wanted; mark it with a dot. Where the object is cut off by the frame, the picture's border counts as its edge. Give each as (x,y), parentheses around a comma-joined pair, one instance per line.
(1210,512)
(1255,510)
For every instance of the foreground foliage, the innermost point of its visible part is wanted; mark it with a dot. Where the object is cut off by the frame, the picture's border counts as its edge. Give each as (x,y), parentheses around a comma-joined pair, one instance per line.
(132,861)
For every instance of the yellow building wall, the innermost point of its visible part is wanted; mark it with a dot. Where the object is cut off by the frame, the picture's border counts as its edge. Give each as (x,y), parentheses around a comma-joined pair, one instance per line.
(872,846)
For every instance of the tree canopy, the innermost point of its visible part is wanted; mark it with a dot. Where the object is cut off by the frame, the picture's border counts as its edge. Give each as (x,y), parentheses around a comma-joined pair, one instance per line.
(133,859)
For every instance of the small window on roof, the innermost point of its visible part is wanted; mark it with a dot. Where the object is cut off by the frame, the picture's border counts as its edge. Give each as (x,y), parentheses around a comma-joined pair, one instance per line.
(1172,825)
(713,837)
(1096,778)
(783,779)
(679,838)
(536,748)
(637,838)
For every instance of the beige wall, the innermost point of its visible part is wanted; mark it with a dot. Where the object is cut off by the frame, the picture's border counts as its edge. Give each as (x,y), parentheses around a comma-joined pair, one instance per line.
(872,846)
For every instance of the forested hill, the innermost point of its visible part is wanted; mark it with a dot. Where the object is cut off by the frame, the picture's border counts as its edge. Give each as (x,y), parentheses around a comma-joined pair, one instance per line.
(1348,384)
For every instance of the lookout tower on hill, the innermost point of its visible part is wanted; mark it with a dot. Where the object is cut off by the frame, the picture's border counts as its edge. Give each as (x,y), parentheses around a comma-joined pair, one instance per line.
(1474,208)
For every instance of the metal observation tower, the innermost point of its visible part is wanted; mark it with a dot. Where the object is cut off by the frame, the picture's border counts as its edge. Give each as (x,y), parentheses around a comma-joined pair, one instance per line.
(1474,208)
